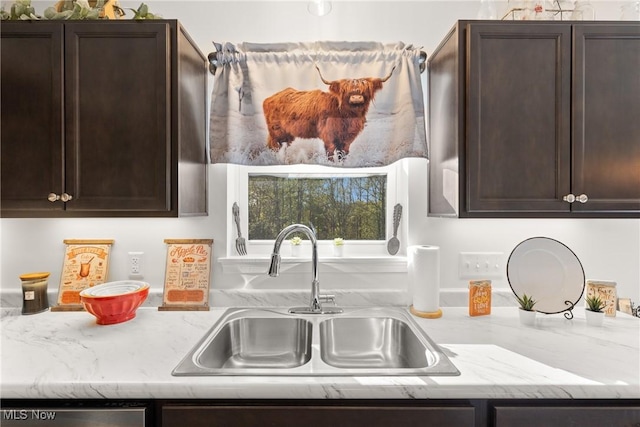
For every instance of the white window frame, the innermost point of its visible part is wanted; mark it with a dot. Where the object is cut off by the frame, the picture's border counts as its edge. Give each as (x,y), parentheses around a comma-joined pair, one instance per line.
(397,192)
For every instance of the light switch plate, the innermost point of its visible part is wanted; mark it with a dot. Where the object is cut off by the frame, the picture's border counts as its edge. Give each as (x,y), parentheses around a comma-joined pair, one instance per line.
(481,265)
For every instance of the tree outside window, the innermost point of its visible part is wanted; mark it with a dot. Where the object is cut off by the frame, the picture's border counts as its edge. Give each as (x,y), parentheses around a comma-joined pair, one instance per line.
(350,207)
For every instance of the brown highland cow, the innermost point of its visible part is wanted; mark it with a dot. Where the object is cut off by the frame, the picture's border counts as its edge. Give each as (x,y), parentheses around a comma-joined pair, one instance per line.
(336,117)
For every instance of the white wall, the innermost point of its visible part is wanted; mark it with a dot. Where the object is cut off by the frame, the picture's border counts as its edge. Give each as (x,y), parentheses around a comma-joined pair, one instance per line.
(608,249)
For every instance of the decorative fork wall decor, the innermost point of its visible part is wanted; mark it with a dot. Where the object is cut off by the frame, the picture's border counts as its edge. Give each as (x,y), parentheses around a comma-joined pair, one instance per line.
(241,245)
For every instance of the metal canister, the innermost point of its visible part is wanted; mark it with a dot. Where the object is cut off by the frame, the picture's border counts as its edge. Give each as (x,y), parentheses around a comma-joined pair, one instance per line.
(34,292)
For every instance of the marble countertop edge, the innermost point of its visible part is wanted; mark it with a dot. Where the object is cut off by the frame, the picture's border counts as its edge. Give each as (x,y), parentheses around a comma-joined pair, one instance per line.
(322,390)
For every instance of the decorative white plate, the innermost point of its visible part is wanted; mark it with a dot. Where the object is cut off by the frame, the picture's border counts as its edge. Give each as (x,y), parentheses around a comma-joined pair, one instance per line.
(547,271)
(110,289)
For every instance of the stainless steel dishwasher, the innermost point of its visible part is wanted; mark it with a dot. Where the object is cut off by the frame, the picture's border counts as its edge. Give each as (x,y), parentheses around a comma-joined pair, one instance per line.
(75,416)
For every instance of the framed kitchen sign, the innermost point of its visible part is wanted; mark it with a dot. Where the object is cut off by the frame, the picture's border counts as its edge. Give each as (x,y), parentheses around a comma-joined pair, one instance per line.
(85,264)
(187,274)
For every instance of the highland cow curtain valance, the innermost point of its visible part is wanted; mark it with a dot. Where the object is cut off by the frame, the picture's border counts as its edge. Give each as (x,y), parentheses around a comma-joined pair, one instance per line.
(348,104)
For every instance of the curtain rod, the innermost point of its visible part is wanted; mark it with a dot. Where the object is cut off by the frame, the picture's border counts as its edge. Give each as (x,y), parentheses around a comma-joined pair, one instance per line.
(213,62)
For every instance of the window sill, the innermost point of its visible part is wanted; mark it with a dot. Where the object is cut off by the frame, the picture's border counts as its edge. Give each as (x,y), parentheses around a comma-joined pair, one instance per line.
(290,265)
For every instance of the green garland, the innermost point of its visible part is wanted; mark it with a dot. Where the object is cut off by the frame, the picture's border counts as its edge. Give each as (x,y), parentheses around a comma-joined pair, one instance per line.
(21,10)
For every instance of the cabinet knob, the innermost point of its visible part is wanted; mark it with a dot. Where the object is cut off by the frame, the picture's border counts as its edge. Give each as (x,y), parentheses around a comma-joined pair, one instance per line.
(53,197)
(582,198)
(571,198)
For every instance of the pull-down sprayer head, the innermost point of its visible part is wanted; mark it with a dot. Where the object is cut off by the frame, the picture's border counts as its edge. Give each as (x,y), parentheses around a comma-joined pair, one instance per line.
(274,268)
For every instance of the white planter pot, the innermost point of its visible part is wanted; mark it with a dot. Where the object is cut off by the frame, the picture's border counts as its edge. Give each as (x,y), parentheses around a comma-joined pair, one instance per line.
(338,251)
(594,318)
(527,317)
(295,250)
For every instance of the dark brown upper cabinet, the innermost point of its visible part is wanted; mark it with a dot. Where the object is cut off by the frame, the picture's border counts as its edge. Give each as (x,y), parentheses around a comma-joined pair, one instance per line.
(102,119)
(535,119)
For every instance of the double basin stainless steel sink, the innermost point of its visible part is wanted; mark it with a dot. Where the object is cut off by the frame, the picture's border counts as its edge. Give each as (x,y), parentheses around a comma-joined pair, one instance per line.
(359,341)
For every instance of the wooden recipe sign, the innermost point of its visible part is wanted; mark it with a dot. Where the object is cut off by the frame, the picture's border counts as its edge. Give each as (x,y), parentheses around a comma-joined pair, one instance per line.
(187,274)
(86,264)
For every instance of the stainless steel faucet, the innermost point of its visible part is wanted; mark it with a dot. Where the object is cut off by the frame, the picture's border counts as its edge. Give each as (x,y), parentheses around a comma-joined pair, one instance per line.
(315,304)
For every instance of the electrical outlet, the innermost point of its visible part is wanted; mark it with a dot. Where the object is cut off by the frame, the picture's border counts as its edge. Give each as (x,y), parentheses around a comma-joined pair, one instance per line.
(480,265)
(135,264)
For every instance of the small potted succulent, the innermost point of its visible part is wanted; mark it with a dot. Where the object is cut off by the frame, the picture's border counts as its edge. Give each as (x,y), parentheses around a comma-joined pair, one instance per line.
(594,310)
(295,246)
(526,312)
(338,246)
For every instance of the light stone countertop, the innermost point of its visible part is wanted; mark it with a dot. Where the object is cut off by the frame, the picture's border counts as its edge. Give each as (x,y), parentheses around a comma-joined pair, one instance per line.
(67,355)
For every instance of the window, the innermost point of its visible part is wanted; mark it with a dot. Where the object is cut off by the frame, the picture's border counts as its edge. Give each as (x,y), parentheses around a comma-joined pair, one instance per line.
(355,204)
(347,205)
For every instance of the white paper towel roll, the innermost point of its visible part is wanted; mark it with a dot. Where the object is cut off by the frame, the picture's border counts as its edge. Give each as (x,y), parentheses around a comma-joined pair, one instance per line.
(424,277)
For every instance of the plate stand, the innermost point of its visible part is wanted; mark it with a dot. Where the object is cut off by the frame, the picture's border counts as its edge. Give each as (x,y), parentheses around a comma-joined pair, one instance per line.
(568,313)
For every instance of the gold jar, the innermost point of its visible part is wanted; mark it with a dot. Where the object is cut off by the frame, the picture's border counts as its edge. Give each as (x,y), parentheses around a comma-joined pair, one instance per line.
(34,292)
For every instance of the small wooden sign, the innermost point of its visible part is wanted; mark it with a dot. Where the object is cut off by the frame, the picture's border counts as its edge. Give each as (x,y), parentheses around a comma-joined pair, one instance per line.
(625,305)
(606,290)
(86,264)
(479,297)
(187,274)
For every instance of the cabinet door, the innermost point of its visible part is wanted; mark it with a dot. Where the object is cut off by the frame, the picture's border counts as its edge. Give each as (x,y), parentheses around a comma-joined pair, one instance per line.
(562,416)
(31,116)
(518,119)
(606,112)
(311,416)
(118,115)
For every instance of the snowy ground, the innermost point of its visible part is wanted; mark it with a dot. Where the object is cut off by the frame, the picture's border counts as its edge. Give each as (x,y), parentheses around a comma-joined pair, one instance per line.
(385,139)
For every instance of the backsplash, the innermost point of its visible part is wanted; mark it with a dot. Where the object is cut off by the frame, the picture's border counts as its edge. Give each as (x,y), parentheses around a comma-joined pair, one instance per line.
(608,249)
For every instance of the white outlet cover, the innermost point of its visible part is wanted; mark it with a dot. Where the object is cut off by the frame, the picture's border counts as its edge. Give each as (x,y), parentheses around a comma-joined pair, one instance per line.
(135,264)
